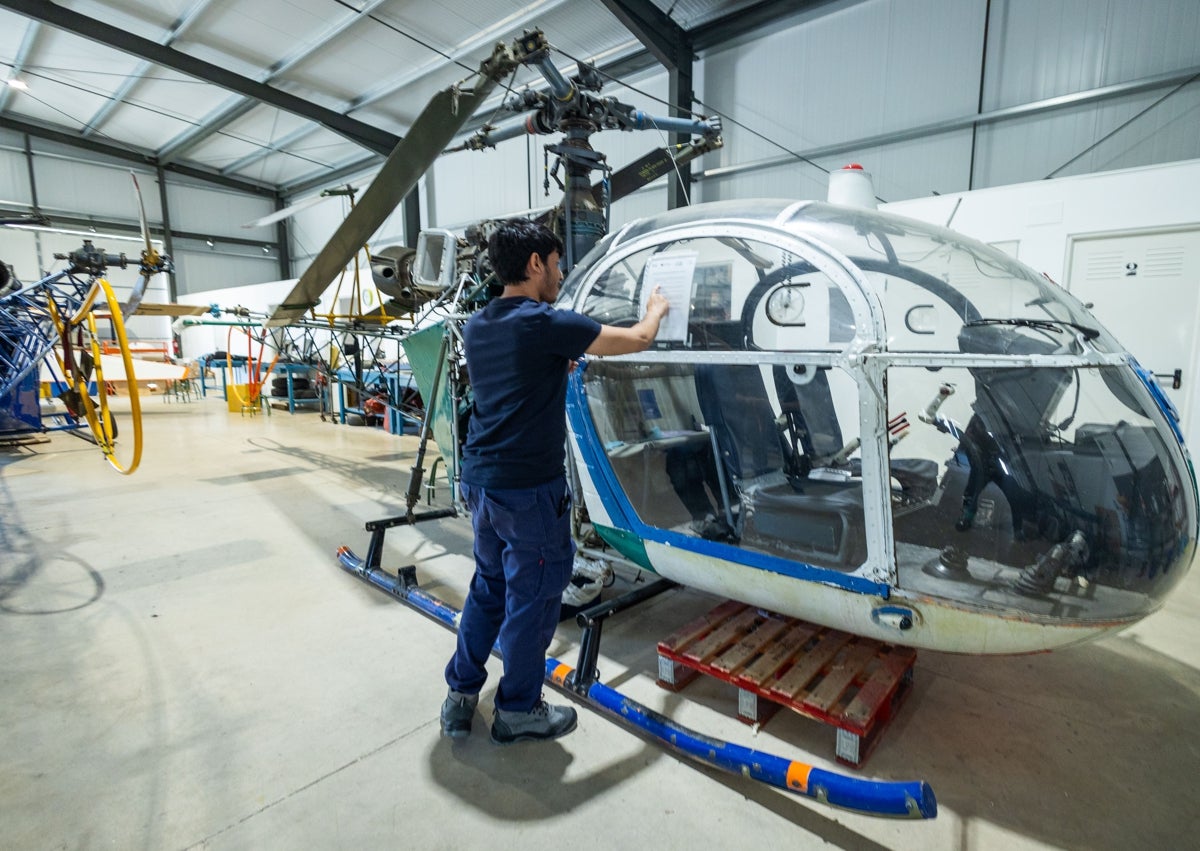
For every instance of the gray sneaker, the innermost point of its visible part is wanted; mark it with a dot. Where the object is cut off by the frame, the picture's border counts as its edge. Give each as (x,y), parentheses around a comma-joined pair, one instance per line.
(542,722)
(457,711)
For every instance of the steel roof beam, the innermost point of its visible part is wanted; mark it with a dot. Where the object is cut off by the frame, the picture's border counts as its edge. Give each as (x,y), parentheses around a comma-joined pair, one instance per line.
(235,108)
(135,155)
(47,12)
(139,72)
(482,38)
(665,39)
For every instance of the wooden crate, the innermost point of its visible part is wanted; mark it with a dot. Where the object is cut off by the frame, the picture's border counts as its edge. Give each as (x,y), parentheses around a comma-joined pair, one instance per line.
(852,683)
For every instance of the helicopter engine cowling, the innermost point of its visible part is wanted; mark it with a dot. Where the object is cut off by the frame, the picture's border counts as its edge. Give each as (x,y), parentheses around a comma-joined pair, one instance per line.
(391,270)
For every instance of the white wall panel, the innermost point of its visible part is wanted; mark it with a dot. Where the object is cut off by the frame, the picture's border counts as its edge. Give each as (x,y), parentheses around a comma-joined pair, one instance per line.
(218,211)
(1040,50)
(646,202)
(900,170)
(474,185)
(859,71)
(14,180)
(1037,147)
(18,249)
(84,189)
(198,271)
(311,227)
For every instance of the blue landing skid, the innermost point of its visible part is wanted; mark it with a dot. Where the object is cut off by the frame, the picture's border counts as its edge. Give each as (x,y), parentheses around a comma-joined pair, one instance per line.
(902,799)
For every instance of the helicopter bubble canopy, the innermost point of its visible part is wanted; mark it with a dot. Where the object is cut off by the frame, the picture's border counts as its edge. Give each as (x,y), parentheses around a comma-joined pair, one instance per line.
(881,406)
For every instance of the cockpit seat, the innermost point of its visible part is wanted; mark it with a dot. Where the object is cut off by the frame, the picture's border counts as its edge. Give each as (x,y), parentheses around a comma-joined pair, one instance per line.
(1010,435)
(778,509)
(812,428)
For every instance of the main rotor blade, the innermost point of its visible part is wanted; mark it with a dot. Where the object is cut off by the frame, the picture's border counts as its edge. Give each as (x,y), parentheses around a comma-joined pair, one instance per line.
(137,194)
(651,167)
(429,135)
(149,255)
(646,169)
(291,210)
(152,309)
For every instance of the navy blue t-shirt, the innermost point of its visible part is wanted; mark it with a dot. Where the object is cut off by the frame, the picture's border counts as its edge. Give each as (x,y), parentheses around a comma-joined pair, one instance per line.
(518,352)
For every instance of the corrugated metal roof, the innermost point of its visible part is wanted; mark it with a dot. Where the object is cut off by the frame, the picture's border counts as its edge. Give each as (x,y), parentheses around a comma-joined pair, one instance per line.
(377,61)
(855,69)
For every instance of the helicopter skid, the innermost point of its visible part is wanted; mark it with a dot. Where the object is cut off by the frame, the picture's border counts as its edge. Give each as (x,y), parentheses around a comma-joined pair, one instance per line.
(903,799)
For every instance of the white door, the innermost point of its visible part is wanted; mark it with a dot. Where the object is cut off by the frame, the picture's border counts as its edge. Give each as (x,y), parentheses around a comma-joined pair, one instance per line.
(1145,288)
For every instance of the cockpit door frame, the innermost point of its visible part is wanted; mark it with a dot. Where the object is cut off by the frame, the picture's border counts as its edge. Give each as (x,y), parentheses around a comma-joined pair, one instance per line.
(853,358)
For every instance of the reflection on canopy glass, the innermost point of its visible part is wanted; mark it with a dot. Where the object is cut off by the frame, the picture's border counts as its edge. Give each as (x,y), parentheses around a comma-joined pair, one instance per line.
(1058,494)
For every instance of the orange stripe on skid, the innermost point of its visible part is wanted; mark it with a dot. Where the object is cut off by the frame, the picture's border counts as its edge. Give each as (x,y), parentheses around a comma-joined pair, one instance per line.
(797,776)
(559,674)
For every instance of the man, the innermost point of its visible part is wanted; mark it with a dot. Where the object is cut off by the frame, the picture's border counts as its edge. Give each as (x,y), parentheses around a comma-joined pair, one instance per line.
(519,350)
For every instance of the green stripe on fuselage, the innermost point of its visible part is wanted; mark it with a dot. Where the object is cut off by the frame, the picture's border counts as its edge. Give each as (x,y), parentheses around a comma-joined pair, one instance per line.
(627,544)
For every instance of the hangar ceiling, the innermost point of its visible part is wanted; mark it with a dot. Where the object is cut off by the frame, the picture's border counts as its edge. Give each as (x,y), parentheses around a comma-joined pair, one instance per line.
(286,94)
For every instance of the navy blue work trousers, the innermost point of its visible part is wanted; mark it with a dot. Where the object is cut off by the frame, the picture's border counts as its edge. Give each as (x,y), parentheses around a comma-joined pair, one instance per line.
(523,556)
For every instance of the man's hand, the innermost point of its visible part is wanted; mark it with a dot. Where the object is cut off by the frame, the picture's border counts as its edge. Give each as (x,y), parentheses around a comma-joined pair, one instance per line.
(657,304)
(623,341)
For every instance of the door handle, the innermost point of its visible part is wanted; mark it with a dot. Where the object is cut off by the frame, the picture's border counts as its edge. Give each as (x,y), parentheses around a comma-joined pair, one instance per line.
(1176,378)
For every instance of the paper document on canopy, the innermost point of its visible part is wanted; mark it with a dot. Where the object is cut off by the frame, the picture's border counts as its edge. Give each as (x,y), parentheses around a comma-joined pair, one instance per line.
(672,274)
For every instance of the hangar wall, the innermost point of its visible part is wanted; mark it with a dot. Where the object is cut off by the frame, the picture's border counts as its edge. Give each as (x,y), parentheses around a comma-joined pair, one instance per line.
(84,190)
(892,84)
(895,85)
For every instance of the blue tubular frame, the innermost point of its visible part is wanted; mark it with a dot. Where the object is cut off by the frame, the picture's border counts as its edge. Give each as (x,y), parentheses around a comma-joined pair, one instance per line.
(904,799)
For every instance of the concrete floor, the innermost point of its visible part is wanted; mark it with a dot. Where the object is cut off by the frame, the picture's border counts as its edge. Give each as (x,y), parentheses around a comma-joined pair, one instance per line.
(185,666)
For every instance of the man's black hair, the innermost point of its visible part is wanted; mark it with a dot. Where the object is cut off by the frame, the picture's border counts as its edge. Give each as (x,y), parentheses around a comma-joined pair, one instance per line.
(512,243)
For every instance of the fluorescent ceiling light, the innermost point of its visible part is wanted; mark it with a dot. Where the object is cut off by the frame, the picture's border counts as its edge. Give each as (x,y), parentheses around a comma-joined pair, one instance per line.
(85,234)
(19,85)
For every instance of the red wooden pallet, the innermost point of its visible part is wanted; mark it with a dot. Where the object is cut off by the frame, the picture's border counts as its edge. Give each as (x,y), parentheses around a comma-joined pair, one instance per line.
(852,683)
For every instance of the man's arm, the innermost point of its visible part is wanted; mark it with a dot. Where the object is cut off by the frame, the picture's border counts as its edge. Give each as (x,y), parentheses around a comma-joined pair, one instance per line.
(622,341)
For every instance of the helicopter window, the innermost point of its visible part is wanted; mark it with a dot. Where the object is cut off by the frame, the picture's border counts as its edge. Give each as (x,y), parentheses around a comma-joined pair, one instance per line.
(908,261)
(797,308)
(1056,493)
(760,457)
(720,288)
(570,286)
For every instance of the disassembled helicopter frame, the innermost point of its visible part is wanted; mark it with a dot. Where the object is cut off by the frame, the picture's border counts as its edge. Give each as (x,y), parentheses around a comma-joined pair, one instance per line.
(56,317)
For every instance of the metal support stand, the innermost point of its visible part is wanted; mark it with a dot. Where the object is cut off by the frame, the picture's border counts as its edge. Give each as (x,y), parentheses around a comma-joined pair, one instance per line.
(592,622)
(377,528)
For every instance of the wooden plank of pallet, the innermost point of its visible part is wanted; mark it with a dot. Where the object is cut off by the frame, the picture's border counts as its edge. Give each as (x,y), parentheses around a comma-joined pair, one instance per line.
(864,708)
(761,673)
(701,625)
(749,647)
(853,684)
(841,673)
(809,665)
(720,638)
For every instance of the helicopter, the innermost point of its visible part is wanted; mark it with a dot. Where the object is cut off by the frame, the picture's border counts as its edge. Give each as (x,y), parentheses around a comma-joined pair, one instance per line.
(870,423)
(848,416)
(877,425)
